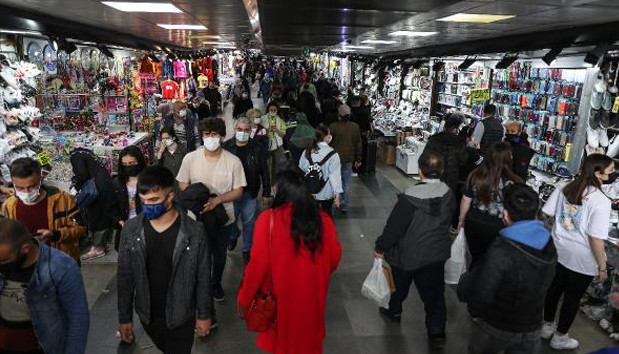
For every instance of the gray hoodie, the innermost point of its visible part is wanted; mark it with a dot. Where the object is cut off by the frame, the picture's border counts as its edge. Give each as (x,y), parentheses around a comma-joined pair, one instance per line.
(417,231)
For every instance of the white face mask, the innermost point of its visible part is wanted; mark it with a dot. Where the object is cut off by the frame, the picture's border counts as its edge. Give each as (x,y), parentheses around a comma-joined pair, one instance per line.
(169,142)
(257,120)
(182,113)
(211,144)
(242,137)
(28,197)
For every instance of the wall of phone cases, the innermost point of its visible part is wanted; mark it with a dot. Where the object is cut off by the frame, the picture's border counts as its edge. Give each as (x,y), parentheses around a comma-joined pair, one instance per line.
(454,88)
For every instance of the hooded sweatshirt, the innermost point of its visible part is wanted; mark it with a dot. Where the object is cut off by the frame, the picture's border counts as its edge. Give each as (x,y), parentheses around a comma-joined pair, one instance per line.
(507,290)
(417,231)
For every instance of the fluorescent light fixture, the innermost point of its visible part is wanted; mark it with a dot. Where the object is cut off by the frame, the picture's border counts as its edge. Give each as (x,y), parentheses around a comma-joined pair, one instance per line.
(222,43)
(226,46)
(126,6)
(207,36)
(357,47)
(412,33)
(475,18)
(378,41)
(34,33)
(183,27)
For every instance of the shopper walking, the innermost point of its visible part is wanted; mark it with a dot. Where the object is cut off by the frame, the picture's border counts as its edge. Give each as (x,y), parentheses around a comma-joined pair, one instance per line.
(184,124)
(265,88)
(581,215)
(297,243)
(489,130)
(323,157)
(171,154)
(307,105)
(222,173)
(45,211)
(258,132)
(347,143)
(213,96)
(43,301)
(505,292)
(200,106)
(276,128)
(254,159)
(163,269)
(102,214)
(453,149)
(481,209)
(131,162)
(415,242)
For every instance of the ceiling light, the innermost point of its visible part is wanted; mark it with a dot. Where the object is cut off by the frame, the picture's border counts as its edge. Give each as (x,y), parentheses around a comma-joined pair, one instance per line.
(358,47)
(222,43)
(34,33)
(594,56)
(226,46)
(412,33)
(206,36)
(378,41)
(183,27)
(467,63)
(475,18)
(551,56)
(142,6)
(507,60)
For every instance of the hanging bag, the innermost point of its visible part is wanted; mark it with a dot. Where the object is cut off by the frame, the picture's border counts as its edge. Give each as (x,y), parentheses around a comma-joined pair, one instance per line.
(262,312)
(376,286)
(88,194)
(456,265)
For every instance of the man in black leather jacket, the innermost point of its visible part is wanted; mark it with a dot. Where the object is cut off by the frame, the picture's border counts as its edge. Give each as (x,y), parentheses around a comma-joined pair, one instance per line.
(254,160)
(505,293)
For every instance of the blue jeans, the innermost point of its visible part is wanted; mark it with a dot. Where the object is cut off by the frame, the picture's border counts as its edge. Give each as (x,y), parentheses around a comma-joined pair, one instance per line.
(245,210)
(488,339)
(219,251)
(346,178)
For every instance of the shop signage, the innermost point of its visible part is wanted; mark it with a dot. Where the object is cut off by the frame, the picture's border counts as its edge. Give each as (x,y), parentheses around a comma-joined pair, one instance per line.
(480,95)
(616,106)
(43,158)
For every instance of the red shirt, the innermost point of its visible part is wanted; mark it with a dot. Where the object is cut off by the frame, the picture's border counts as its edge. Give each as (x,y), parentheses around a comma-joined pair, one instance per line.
(300,282)
(34,217)
(169,89)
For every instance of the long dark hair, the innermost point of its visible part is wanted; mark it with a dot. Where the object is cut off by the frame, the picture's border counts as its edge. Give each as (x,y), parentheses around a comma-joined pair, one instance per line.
(575,190)
(306,225)
(497,164)
(129,151)
(321,132)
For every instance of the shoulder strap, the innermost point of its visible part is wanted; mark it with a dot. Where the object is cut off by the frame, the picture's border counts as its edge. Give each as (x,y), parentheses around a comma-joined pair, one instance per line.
(309,158)
(327,157)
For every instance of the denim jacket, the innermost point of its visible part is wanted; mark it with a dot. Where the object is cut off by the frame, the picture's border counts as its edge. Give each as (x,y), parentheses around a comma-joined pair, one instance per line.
(57,303)
(331,170)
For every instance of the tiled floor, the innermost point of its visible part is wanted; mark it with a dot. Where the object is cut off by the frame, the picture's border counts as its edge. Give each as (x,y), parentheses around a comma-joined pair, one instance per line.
(353,323)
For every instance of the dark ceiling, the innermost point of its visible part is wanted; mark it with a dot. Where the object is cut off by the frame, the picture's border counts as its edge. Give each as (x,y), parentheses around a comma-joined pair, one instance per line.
(287,26)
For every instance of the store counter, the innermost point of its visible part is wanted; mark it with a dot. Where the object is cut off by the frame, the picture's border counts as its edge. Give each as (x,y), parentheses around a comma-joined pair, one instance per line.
(407,155)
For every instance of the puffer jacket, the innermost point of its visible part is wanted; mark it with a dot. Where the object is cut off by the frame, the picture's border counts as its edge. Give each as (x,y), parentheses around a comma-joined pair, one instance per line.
(417,231)
(453,149)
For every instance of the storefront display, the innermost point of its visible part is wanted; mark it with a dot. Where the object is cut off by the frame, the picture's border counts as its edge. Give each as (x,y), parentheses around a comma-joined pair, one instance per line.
(465,90)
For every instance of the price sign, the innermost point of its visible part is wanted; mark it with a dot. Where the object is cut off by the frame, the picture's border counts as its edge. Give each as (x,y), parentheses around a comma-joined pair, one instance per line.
(616,106)
(43,158)
(480,95)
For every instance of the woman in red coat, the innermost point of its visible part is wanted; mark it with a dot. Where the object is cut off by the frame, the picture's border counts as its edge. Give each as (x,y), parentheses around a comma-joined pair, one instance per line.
(304,253)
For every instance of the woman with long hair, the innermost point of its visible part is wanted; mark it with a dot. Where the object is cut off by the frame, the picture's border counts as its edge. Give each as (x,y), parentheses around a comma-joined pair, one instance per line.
(481,208)
(325,156)
(297,242)
(581,213)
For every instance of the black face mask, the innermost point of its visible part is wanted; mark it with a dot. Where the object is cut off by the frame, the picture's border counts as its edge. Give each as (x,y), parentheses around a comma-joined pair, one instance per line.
(611,178)
(15,265)
(132,171)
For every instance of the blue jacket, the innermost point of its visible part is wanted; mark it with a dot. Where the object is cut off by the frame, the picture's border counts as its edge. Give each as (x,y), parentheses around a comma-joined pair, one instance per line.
(57,303)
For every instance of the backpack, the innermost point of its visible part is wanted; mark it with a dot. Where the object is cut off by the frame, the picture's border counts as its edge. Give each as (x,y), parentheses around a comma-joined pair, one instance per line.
(313,177)
(88,194)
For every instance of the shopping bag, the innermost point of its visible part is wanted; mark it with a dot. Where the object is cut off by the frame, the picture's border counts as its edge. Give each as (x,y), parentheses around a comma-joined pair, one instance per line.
(389,276)
(376,287)
(456,264)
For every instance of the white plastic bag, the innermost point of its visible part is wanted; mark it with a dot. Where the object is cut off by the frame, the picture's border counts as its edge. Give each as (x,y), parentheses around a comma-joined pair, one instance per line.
(375,287)
(456,265)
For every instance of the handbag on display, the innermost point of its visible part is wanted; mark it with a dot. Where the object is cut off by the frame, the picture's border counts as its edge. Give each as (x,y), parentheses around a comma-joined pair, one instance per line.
(262,312)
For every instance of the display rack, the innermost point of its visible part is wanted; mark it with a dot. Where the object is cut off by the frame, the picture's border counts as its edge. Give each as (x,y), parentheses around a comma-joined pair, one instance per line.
(465,90)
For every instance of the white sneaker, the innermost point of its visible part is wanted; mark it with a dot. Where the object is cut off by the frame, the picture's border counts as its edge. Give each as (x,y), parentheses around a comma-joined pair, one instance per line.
(563,342)
(548,330)
(603,137)
(593,137)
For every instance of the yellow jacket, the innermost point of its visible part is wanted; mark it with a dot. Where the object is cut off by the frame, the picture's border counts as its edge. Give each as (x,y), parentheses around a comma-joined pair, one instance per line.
(62,212)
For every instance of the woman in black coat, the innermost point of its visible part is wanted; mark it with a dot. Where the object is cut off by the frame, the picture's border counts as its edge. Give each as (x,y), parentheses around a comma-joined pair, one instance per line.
(102,214)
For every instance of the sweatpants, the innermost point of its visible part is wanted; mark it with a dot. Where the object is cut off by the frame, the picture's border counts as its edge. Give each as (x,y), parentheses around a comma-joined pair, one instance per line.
(572,286)
(481,230)
(430,283)
(178,340)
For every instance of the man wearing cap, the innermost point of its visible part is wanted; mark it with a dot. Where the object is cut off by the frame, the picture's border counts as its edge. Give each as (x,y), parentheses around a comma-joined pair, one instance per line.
(347,142)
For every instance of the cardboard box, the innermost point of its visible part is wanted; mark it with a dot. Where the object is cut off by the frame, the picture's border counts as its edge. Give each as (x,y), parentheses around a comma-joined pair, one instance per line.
(388,154)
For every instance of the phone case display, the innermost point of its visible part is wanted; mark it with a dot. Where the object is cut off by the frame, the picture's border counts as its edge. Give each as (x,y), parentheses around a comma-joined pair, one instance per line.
(417,88)
(19,118)
(457,88)
(545,102)
(371,83)
(391,84)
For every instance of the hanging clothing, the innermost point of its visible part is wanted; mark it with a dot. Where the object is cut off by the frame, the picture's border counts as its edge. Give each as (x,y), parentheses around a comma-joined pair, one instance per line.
(180,70)
(169,89)
(202,81)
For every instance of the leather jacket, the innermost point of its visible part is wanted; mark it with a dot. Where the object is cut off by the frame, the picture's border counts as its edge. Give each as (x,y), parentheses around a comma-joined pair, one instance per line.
(255,166)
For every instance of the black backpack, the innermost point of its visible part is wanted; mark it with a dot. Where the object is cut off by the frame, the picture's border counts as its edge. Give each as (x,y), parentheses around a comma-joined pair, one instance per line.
(313,177)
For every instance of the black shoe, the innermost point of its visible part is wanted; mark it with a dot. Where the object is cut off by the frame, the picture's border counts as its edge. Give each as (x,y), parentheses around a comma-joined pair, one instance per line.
(246,257)
(218,293)
(394,317)
(437,341)
(232,244)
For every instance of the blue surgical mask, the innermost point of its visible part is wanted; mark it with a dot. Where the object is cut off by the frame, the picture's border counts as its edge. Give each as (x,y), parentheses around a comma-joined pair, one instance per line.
(154,211)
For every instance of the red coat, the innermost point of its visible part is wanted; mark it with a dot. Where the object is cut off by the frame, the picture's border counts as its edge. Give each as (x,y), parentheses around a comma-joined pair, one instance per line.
(300,283)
